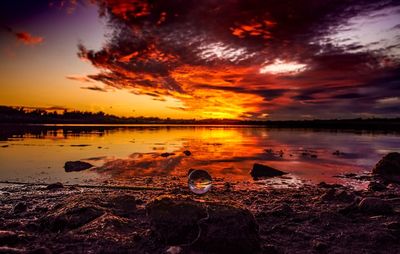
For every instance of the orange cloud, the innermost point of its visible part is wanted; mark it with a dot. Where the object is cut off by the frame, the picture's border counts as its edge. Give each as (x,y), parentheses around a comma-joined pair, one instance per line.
(254,28)
(127,9)
(28,39)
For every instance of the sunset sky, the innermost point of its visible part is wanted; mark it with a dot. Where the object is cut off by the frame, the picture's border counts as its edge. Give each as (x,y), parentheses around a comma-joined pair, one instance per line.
(247,59)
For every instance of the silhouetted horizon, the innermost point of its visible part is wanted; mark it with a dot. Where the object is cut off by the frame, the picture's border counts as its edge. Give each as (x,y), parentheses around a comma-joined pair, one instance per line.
(19,115)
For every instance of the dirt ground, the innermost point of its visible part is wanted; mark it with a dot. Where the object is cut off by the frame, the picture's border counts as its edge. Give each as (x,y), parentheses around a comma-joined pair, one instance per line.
(319,218)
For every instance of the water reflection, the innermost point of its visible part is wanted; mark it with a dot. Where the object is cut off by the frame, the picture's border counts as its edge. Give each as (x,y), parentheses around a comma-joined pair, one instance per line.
(120,153)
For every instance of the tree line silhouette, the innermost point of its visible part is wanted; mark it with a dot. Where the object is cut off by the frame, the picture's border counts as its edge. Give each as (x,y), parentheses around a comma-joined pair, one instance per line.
(20,115)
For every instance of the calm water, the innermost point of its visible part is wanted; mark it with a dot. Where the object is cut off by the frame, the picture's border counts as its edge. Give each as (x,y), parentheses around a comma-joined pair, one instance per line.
(38,153)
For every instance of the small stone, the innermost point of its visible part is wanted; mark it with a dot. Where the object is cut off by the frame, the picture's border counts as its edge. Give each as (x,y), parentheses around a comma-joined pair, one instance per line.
(337,153)
(187,152)
(270,249)
(71,166)
(41,250)
(376,186)
(344,196)
(20,207)
(227,186)
(350,175)
(393,225)
(319,246)
(282,210)
(54,186)
(374,206)
(174,250)
(166,154)
(260,170)
(8,237)
(9,250)
(148,180)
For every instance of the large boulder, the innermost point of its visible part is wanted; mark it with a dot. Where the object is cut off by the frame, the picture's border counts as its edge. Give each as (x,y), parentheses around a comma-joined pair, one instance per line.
(204,227)
(228,230)
(71,166)
(389,167)
(175,221)
(260,170)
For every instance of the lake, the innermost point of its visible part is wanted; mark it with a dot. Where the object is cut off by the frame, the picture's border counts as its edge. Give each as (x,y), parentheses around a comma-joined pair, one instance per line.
(126,152)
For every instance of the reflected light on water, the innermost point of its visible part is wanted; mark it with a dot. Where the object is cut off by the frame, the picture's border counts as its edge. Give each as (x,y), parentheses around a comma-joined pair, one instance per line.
(120,153)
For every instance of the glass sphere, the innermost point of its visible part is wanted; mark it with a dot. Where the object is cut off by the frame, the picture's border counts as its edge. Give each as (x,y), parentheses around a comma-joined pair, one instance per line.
(199,181)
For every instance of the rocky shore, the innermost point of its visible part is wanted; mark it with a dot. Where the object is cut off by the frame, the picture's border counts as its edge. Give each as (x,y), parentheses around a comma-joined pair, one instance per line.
(323,218)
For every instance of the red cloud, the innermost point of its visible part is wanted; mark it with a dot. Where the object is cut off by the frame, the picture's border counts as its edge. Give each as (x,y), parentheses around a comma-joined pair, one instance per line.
(28,39)
(241,59)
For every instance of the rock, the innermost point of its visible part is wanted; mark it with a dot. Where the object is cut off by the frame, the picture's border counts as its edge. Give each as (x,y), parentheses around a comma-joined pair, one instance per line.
(260,170)
(282,210)
(270,249)
(337,153)
(71,166)
(8,237)
(319,246)
(207,228)
(227,186)
(187,152)
(123,205)
(228,229)
(344,196)
(9,250)
(20,207)
(71,216)
(166,154)
(174,250)
(327,185)
(175,221)
(374,206)
(328,195)
(393,225)
(41,250)
(350,175)
(54,186)
(376,186)
(389,167)
(148,180)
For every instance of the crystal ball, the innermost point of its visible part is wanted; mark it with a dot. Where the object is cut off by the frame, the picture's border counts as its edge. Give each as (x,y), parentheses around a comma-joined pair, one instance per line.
(199,181)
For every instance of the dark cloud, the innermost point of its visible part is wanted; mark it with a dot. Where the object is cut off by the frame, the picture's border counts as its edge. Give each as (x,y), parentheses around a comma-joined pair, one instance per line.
(94,88)
(250,58)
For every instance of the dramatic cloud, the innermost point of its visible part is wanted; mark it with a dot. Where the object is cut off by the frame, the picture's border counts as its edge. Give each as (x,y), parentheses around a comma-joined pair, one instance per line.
(255,59)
